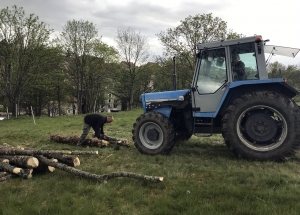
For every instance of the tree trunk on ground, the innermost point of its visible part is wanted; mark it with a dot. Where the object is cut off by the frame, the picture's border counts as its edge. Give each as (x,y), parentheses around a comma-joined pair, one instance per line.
(24,173)
(102,142)
(68,160)
(10,151)
(22,161)
(4,177)
(2,174)
(44,167)
(72,140)
(96,177)
(4,160)
(119,141)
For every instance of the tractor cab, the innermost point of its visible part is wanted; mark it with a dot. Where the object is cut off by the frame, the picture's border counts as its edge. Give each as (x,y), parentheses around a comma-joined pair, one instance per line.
(232,60)
(228,64)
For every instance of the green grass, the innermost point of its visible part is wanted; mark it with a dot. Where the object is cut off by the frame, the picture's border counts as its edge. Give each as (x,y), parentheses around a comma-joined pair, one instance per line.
(201,176)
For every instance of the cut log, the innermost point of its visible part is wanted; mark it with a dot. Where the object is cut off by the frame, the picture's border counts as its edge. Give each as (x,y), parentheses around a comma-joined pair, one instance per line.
(102,142)
(24,173)
(45,167)
(6,176)
(22,161)
(64,139)
(30,152)
(4,160)
(119,141)
(66,159)
(99,178)
(72,140)
(5,145)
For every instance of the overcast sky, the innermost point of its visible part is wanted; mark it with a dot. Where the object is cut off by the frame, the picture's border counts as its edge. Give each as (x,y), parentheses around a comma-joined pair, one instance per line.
(277,20)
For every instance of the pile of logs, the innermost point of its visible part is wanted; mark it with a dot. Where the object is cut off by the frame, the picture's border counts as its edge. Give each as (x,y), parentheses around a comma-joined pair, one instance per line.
(102,142)
(25,162)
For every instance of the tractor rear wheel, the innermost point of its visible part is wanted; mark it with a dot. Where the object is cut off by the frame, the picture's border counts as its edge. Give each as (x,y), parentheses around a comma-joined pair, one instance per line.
(262,125)
(153,133)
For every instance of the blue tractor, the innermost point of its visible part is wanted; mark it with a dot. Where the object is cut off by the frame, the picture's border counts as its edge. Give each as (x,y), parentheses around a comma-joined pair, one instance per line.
(231,95)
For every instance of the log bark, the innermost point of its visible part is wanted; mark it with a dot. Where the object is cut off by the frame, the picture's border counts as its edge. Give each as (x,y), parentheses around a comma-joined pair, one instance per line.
(72,140)
(5,145)
(4,160)
(99,178)
(10,151)
(68,160)
(64,139)
(4,177)
(22,161)
(2,174)
(44,167)
(24,173)
(119,141)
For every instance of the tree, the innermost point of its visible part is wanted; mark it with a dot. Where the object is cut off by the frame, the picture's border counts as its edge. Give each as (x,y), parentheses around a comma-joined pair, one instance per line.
(182,41)
(163,74)
(133,48)
(99,68)
(48,82)
(290,73)
(76,38)
(21,40)
(86,59)
(276,69)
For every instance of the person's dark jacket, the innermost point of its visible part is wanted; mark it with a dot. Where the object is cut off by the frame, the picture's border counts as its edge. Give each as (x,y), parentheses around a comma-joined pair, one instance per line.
(239,69)
(97,122)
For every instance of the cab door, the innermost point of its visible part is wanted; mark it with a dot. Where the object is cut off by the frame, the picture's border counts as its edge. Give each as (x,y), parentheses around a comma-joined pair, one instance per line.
(210,81)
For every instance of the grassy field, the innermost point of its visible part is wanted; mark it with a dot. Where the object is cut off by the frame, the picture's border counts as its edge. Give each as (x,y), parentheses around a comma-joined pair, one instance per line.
(201,176)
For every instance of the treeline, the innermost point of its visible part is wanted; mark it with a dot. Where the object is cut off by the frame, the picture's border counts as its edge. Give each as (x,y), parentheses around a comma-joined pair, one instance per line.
(291,73)
(78,68)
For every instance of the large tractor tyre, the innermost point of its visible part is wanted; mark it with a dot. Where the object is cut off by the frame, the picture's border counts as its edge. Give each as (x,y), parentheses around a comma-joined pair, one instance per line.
(153,134)
(262,125)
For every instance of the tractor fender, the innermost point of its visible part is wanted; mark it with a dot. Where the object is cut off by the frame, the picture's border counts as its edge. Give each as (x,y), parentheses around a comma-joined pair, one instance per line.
(164,110)
(238,88)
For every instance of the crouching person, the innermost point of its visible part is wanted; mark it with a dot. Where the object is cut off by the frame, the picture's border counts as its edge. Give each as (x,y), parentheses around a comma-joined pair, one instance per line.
(96,121)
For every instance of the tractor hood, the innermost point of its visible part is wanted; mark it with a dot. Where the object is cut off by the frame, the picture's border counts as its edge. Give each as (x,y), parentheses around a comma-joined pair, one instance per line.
(159,99)
(176,95)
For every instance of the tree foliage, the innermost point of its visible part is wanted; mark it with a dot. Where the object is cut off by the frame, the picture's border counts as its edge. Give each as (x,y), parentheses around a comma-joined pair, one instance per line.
(290,73)
(22,39)
(182,41)
(86,63)
(48,82)
(132,77)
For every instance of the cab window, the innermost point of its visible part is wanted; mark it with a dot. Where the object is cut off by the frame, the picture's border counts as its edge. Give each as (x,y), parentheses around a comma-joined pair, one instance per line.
(212,74)
(243,62)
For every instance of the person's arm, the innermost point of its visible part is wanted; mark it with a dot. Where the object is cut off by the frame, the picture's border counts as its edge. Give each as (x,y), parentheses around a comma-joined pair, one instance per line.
(102,130)
(99,128)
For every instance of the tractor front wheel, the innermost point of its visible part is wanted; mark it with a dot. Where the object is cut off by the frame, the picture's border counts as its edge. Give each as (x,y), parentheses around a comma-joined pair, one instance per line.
(262,125)
(153,133)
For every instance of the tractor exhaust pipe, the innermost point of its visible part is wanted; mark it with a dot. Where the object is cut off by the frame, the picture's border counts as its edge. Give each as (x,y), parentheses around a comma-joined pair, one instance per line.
(174,74)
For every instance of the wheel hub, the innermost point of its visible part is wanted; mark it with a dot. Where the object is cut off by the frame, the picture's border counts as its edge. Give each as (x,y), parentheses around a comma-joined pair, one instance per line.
(153,134)
(261,127)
